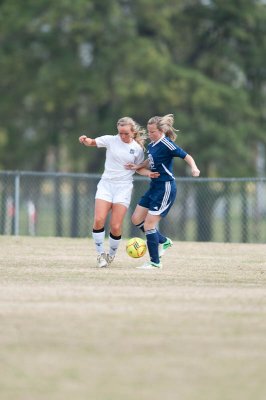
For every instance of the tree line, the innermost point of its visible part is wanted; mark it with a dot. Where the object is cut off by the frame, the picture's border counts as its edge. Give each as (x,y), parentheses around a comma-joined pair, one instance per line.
(68,68)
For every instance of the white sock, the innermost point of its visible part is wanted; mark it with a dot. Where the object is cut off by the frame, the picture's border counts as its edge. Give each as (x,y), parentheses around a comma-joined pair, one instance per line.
(113,244)
(99,241)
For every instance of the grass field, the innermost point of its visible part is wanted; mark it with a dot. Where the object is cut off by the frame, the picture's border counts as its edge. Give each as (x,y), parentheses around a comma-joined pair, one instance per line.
(195,330)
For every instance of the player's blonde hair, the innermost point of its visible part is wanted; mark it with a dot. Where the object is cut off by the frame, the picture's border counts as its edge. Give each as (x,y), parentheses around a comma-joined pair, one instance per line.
(165,125)
(139,133)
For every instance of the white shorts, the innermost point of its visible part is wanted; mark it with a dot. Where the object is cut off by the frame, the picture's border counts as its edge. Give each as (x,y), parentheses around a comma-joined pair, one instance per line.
(114,192)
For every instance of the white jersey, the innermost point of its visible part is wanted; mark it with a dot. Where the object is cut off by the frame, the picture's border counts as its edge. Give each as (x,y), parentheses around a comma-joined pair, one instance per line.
(118,154)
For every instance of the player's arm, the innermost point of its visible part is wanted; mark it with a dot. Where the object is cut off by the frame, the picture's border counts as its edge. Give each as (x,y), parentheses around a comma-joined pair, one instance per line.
(194,169)
(147,172)
(136,167)
(87,141)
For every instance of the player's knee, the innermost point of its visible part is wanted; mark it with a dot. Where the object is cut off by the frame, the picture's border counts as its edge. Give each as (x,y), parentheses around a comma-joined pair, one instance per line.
(98,222)
(115,229)
(135,220)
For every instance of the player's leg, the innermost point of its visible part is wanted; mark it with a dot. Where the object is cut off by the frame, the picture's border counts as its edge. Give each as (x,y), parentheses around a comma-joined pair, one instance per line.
(141,210)
(138,216)
(169,195)
(152,242)
(121,195)
(101,211)
(161,196)
(117,217)
(152,237)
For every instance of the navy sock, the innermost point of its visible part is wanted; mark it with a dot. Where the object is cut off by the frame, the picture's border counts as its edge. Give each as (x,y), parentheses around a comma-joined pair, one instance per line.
(153,244)
(162,239)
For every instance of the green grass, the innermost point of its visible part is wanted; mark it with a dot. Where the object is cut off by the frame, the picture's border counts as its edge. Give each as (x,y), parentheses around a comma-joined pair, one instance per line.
(195,330)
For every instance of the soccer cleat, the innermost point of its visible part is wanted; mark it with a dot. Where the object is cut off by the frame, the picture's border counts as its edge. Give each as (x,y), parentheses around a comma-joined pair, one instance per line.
(165,246)
(109,259)
(101,261)
(151,265)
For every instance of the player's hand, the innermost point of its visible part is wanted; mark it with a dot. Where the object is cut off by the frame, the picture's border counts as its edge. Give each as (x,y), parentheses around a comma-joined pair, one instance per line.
(153,174)
(195,172)
(131,166)
(82,139)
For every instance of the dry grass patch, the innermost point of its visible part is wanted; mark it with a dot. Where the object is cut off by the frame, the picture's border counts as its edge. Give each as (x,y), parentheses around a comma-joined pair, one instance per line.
(195,330)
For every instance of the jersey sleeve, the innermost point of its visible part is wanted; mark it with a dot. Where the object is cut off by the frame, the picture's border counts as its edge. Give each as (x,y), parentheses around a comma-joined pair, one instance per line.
(103,141)
(178,152)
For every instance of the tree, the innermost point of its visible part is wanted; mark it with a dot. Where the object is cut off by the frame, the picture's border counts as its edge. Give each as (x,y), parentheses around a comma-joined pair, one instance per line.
(69,67)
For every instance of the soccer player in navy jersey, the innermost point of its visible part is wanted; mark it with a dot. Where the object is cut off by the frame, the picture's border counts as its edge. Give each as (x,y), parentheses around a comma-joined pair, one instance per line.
(157,201)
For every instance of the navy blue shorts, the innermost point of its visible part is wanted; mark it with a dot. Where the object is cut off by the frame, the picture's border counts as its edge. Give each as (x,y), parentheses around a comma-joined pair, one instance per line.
(159,198)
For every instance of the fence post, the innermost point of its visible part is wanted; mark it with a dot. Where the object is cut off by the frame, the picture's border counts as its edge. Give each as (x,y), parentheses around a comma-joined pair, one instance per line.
(17,195)
(227,212)
(244,219)
(74,232)
(58,205)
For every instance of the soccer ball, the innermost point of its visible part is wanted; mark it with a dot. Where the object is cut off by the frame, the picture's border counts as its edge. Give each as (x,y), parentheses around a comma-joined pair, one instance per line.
(136,247)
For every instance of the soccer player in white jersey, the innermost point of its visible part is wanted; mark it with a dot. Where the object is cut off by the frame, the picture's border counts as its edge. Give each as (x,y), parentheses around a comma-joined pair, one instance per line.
(157,201)
(114,189)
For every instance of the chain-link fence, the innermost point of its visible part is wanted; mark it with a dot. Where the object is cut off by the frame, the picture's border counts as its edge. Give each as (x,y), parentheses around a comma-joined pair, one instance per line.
(56,204)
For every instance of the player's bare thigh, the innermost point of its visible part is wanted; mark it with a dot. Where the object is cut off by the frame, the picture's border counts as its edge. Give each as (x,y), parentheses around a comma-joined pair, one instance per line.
(101,211)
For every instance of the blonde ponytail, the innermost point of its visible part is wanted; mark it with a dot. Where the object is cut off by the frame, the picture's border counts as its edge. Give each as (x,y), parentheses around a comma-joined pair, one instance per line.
(165,125)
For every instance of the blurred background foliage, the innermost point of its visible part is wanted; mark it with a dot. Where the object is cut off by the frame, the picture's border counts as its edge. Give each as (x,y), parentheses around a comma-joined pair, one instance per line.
(68,68)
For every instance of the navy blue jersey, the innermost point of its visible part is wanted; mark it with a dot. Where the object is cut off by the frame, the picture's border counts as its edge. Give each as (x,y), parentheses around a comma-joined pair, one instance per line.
(161,154)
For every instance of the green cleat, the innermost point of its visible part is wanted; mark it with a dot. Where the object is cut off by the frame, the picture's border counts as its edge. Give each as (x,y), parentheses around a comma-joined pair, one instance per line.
(165,246)
(151,265)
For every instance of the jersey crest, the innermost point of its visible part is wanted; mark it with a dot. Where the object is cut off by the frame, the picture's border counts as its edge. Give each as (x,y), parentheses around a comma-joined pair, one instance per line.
(151,161)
